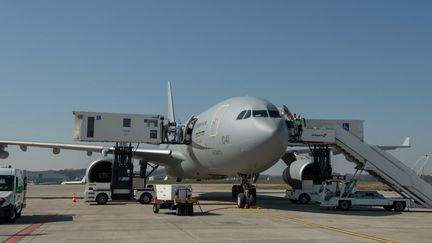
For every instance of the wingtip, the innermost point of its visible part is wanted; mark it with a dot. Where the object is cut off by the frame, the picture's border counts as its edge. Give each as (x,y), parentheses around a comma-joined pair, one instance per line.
(407,142)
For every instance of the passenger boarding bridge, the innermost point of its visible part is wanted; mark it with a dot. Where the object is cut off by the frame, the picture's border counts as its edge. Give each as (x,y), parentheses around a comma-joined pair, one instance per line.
(373,159)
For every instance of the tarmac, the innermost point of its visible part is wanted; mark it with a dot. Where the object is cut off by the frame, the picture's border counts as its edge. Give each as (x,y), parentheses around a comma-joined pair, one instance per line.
(51,216)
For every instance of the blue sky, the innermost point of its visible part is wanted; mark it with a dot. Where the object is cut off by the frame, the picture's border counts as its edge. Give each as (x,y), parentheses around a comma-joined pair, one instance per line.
(368,60)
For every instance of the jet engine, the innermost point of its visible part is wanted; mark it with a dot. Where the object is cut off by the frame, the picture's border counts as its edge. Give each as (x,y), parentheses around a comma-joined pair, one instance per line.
(3,153)
(99,170)
(296,172)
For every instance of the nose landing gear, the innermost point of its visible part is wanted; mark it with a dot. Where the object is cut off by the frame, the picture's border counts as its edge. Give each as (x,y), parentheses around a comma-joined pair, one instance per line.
(245,192)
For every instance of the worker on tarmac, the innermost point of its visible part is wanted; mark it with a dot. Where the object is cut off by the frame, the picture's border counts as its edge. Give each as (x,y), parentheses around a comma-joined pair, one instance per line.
(298,123)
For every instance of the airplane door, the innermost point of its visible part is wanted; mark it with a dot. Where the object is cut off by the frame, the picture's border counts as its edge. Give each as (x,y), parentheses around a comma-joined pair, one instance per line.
(216,120)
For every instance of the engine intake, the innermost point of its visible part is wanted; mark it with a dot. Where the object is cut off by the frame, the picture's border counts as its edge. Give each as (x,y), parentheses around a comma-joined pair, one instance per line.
(296,172)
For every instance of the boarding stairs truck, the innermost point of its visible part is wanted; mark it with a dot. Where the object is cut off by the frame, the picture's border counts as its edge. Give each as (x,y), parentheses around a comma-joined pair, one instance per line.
(13,187)
(342,194)
(373,159)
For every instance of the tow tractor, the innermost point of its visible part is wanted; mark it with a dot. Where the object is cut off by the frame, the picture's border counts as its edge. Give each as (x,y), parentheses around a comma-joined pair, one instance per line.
(174,197)
(343,194)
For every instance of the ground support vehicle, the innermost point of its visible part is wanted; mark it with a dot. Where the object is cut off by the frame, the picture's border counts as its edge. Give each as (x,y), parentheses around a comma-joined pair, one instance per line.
(344,197)
(99,192)
(304,196)
(13,187)
(174,197)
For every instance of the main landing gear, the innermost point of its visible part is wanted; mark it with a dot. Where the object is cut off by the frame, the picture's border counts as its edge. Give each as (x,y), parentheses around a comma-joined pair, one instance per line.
(245,192)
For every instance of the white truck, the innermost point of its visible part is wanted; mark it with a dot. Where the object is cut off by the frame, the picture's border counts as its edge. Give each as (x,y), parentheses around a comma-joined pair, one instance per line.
(343,195)
(13,187)
(99,192)
(174,197)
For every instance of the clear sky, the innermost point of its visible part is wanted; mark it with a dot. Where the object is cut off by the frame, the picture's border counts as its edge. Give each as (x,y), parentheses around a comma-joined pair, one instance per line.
(368,60)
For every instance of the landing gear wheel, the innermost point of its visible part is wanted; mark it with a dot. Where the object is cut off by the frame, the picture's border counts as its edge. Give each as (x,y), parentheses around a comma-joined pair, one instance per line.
(236,189)
(241,200)
(252,197)
(145,198)
(304,198)
(388,207)
(102,199)
(399,206)
(344,205)
(13,216)
(155,208)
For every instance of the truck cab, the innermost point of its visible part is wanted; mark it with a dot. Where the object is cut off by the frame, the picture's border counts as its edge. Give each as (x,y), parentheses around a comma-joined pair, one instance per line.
(12,193)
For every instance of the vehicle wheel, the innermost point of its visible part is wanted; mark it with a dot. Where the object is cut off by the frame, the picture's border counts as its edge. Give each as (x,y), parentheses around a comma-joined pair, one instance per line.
(304,198)
(399,206)
(241,200)
(13,216)
(20,211)
(102,199)
(155,208)
(179,210)
(388,207)
(190,210)
(344,205)
(234,191)
(145,198)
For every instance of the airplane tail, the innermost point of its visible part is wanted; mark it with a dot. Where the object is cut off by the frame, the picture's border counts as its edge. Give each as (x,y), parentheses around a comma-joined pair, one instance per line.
(171,116)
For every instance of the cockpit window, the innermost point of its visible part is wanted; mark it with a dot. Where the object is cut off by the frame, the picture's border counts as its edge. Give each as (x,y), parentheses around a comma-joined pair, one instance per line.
(240,116)
(260,113)
(248,114)
(274,113)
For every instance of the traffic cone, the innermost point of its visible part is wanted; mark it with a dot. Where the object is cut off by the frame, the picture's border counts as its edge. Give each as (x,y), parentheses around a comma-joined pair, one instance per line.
(74,200)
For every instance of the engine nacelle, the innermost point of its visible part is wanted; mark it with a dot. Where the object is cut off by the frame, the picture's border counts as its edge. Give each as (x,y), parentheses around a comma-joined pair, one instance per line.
(99,170)
(4,154)
(298,171)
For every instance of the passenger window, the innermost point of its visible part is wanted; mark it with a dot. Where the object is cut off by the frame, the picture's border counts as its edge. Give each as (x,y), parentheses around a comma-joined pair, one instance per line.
(274,113)
(260,113)
(240,116)
(248,114)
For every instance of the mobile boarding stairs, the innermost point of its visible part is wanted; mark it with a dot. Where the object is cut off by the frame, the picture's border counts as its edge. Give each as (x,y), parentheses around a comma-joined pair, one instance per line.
(377,162)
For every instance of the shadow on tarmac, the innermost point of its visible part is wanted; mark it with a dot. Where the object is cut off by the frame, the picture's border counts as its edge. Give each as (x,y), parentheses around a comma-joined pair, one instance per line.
(36,218)
(280,203)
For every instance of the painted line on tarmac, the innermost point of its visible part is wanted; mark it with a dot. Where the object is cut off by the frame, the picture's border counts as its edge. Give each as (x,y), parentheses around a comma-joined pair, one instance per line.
(315,225)
(27,231)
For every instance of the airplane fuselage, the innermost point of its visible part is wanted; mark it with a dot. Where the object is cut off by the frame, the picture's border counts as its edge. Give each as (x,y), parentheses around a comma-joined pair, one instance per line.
(241,135)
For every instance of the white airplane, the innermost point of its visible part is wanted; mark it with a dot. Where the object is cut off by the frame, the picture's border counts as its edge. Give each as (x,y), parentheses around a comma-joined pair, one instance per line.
(80,182)
(241,136)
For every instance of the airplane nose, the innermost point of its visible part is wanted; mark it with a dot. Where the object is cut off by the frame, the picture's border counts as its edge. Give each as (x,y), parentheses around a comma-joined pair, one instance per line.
(273,136)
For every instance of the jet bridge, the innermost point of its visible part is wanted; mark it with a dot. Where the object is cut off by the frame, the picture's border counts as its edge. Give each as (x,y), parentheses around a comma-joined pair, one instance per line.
(379,163)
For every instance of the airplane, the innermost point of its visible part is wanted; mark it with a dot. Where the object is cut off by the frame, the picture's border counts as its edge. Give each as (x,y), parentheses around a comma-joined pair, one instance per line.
(241,136)
(80,182)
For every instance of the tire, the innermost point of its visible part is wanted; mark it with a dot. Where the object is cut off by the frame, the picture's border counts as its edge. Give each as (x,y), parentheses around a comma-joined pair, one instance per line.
(179,210)
(344,205)
(20,211)
(241,200)
(388,207)
(13,216)
(252,197)
(304,198)
(155,208)
(234,191)
(102,199)
(145,198)
(190,210)
(399,206)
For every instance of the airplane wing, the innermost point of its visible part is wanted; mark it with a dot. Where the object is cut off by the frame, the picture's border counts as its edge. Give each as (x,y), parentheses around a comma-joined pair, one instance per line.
(164,157)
